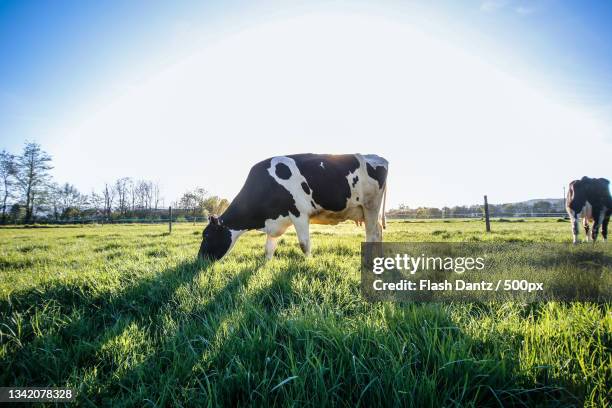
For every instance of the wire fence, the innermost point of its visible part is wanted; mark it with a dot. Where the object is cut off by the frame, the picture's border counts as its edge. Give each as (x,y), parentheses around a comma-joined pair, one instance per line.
(129,220)
(144,216)
(183,218)
(478,215)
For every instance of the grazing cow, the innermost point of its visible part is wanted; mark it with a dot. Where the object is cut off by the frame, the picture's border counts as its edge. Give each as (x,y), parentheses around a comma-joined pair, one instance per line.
(590,199)
(301,189)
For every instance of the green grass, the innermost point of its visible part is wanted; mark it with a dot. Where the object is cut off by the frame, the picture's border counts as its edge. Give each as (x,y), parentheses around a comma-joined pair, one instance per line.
(125,315)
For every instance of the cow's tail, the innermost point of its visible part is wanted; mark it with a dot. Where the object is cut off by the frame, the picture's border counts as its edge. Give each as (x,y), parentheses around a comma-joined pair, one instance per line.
(384,218)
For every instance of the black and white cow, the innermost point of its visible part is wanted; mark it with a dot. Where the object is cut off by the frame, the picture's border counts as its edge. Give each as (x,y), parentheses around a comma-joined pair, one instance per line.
(590,199)
(298,190)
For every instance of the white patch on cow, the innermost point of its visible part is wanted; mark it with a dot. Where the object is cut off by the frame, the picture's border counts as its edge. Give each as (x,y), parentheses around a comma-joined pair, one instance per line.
(322,165)
(276,227)
(574,220)
(354,205)
(271,243)
(587,211)
(379,196)
(293,184)
(586,215)
(235,235)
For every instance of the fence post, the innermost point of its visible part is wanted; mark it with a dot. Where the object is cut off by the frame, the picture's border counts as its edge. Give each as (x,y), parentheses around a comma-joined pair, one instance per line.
(486,211)
(170,220)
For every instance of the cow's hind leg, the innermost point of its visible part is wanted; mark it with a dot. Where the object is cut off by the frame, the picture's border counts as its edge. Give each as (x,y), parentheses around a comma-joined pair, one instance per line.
(585,224)
(373,225)
(271,243)
(574,220)
(302,229)
(598,218)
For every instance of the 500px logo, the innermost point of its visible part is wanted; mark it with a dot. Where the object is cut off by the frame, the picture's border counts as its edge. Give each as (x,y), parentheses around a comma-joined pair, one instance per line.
(413,264)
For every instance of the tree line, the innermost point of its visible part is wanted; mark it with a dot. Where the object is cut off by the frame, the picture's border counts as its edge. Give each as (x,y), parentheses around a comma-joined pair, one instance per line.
(522,209)
(29,194)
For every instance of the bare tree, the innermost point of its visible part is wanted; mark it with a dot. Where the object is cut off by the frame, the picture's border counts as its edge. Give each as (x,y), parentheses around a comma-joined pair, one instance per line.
(122,188)
(133,191)
(33,175)
(96,201)
(148,194)
(108,195)
(141,194)
(53,199)
(156,194)
(65,200)
(8,171)
(69,197)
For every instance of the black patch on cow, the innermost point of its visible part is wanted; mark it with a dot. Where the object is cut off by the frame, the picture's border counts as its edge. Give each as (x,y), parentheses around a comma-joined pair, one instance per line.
(216,241)
(357,199)
(329,185)
(379,174)
(260,199)
(283,171)
(313,204)
(305,188)
(355,180)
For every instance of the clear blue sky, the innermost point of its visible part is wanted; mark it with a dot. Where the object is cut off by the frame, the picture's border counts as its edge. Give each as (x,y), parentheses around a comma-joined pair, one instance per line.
(193,94)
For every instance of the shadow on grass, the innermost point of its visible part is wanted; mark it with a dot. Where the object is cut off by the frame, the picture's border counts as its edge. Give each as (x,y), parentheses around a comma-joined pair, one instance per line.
(197,344)
(79,313)
(245,347)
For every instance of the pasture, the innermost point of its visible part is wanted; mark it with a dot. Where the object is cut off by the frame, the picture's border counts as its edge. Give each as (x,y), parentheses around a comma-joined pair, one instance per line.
(126,315)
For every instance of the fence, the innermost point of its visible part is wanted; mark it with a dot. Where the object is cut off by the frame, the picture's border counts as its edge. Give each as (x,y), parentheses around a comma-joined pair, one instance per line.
(478,215)
(201,219)
(177,215)
(153,216)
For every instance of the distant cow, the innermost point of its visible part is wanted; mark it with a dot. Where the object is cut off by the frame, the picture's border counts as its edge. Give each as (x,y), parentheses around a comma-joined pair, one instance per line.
(301,189)
(590,199)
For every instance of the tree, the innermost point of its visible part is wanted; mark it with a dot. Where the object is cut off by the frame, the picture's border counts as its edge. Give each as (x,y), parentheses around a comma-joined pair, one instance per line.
(122,189)
(156,194)
(33,175)
(54,200)
(16,212)
(132,189)
(108,195)
(96,201)
(197,202)
(8,171)
(542,207)
(188,201)
(214,205)
(69,198)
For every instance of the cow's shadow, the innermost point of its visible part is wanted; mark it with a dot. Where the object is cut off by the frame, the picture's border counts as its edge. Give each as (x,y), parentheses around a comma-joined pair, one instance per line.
(90,318)
(209,340)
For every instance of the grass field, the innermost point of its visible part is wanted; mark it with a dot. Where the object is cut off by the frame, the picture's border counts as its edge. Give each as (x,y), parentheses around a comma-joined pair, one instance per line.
(125,315)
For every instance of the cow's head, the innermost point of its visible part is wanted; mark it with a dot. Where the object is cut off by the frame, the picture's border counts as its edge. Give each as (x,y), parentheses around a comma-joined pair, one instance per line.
(216,240)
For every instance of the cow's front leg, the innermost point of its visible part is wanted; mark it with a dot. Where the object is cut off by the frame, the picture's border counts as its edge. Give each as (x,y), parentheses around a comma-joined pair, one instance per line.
(604,227)
(271,243)
(302,229)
